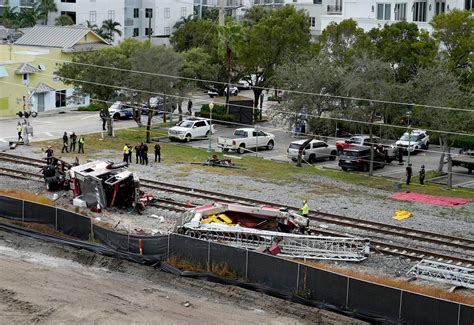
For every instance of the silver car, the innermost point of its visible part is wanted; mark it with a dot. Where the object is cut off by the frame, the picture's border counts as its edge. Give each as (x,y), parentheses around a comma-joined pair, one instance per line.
(313,151)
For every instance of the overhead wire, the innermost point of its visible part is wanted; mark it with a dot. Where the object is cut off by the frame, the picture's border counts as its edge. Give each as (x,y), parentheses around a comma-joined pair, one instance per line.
(258,87)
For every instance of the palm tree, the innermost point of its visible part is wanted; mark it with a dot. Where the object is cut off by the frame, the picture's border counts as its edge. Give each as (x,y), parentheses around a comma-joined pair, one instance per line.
(45,7)
(183,21)
(64,20)
(28,17)
(10,15)
(109,28)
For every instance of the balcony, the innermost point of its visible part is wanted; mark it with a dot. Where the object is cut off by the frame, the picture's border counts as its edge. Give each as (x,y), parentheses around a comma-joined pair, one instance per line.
(334,9)
(27,3)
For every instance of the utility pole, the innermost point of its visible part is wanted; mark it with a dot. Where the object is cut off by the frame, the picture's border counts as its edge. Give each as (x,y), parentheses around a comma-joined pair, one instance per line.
(200,10)
(221,13)
(149,28)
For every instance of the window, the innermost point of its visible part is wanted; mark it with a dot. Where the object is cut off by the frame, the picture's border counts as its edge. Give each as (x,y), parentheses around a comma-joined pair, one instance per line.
(317,2)
(383,11)
(400,11)
(419,11)
(111,14)
(61,98)
(167,12)
(69,1)
(167,31)
(136,32)
(71,14)
(468,4)
(136,13)
(148,32)
(200,124)
(148,13)
(183,12)
(312,21)
(440,7)
(92,16)
(25,79)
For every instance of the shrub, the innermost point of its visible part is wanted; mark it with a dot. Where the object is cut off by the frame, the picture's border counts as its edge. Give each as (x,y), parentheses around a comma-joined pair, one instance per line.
(218,113)
(93,106)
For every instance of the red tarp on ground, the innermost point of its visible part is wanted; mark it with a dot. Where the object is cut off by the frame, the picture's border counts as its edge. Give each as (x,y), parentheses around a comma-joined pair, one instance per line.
(430,199)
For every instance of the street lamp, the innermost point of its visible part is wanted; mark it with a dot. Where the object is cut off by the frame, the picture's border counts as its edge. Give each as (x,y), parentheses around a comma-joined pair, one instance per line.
(211,106)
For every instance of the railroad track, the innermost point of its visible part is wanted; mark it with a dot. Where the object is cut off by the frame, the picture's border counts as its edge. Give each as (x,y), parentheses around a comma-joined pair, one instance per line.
(445,241)
(15,173)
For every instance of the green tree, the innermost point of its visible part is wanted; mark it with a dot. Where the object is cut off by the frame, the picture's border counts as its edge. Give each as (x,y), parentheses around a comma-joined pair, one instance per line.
(209,13)
(64,20)
(405,47)
(280,37)
(183,21)
(109,29)
(159,60)
(90,73)
(254,14)
(439,86)
(28,17)
(10,15)
(196,33)
(342,42)
(45,7)
(455,32)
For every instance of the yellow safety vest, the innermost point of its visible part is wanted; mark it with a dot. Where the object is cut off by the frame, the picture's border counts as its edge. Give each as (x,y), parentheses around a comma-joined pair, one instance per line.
(125,150)
(305,209)
(19,128)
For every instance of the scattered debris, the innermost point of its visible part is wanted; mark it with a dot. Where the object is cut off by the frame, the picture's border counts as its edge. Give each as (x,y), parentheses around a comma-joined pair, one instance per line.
(187,304)
(402,214)
(443,272)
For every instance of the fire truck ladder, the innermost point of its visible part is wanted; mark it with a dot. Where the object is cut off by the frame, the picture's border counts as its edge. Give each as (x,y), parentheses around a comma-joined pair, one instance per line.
(443,272)
(291,245)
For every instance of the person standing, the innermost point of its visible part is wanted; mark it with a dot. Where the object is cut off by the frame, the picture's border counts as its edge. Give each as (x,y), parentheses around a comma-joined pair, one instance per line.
(421,175)
(280,96)
(190,107)
(130,153)
(19,129)
(65,143)
(144,149)
(304,212)
(73,139)
(158,152)
(409,173)
(261,100)
(81,144)
(49,155)
(125,153)
(138,157)
(103,116)
(400,155)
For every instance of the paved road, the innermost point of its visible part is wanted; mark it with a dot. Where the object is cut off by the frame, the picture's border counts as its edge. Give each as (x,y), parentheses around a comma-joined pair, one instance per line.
(52,126)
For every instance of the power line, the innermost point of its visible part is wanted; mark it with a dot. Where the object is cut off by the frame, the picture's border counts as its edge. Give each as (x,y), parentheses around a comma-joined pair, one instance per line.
(280,111)
(263,88)
(220,121)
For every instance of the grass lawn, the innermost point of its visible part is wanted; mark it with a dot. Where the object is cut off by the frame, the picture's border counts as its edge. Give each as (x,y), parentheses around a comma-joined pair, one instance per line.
(249,166)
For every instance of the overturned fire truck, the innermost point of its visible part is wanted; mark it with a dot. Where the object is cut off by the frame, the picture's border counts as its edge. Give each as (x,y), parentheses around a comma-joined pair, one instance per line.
(268,229)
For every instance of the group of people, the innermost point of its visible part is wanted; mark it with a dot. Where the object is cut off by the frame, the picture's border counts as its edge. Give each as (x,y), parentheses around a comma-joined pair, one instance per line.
(421,174)
(69,143)
(141,153)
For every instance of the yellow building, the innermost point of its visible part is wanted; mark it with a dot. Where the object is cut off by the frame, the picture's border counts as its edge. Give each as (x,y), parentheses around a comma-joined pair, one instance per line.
(28,68)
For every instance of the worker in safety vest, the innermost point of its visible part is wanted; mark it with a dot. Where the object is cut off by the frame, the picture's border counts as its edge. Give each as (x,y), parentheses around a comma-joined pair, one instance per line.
(304,211)
(126,151)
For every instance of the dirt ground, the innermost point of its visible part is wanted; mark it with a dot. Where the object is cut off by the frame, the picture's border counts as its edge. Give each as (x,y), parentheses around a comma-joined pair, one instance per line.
(46,283)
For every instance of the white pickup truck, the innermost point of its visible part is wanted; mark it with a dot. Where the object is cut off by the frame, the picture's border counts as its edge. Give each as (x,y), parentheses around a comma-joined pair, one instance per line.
(246,138)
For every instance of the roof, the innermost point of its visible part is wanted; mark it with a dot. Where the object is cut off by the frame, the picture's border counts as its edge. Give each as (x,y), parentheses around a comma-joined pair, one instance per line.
(26,68)
(84,47)
(6,32)
(65,37)
(42,88)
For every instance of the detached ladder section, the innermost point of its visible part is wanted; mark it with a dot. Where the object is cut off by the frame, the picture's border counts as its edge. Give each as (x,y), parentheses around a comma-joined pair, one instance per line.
(291,245)
(443,272)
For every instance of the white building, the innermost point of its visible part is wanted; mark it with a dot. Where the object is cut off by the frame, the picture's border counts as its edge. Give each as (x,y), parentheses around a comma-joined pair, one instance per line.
(372,14)
(134,16)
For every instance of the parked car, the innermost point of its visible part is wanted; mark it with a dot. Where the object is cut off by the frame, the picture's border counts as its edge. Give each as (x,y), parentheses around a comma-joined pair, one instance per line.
(192,128)
(246,138)
(358,158)
(313,151)
(465,159)
(356,141)
(158,109)
(414,141)
(212,92)
(120,110)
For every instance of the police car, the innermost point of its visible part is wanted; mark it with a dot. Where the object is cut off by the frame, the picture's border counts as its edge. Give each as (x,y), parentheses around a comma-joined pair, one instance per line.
(414,141)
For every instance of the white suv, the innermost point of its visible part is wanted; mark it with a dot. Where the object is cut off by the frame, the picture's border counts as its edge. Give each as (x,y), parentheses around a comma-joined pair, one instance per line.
(313,151)
(414,141)
(191,129)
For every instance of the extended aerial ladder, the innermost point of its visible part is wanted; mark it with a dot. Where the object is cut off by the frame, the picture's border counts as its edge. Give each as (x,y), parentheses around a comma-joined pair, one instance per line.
(291,245)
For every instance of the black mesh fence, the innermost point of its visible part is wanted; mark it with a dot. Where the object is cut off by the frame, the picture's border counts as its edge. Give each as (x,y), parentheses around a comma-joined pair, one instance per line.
(11,208)
(39,213)
(284,278)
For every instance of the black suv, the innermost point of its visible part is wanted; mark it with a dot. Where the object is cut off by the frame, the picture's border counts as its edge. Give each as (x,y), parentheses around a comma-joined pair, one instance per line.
(358,158)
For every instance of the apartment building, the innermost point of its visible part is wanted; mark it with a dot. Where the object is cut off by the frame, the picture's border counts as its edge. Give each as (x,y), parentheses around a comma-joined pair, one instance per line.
(372,14)
(136,17)
(19,4)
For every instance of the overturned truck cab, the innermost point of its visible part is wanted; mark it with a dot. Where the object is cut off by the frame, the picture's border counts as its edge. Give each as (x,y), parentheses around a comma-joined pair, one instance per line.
(102,184)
